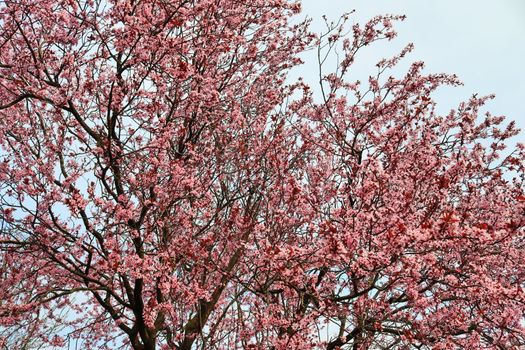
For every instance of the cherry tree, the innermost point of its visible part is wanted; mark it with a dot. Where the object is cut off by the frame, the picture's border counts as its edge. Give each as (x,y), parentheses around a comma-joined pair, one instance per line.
(163,185)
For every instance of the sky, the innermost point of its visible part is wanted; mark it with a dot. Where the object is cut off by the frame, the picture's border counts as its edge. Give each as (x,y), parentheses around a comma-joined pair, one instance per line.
(482,41)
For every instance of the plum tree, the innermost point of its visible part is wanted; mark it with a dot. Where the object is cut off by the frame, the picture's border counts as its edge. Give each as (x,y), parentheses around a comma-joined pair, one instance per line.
(164,186)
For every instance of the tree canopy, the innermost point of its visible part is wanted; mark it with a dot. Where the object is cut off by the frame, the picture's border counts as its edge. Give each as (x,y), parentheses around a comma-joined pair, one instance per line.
(163,185)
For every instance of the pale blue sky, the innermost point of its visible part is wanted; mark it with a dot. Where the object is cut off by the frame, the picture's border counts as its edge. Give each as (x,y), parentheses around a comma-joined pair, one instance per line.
(482,41)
